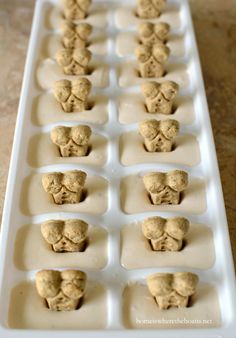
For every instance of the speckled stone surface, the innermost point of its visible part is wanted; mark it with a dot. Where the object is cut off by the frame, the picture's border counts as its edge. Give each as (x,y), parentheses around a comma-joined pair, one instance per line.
(215,27)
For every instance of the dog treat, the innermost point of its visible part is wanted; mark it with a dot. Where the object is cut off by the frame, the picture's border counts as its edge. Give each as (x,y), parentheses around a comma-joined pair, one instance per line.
(72,95)
(75,36)
(72,141)
(159,135)
(65,187)
(151,59)
(165,234)
(159,97)
(150,9)
(165,188)
(65,236)
(150,33)
(74,61)
(62,290)
(76,9)
(172,290)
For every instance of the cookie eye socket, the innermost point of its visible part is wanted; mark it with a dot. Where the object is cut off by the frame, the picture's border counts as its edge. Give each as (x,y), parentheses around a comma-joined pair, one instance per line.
(153,227)
(52,231)
(81,134)
(160,284)
(52,182)
(177,180)
(177,227)
(76,230)
(60,135)
(48,283)
(84,4)
(143,53)
(74,180)
(155,182)
(185,283)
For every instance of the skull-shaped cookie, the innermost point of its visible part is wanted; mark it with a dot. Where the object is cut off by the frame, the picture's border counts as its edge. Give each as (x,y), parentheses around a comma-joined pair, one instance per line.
(159,135)
(150,9)
(65,187)
(150,33)
(76,9)
(165,188)
(165,234)
(72,141)
(62,290)
(159,97)
(172,290)
(72,95)
(151,59)
(74,61)
(75,36)
(65,236)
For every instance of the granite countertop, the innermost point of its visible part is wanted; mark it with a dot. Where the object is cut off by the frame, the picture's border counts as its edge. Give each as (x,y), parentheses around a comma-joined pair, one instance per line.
(215,26)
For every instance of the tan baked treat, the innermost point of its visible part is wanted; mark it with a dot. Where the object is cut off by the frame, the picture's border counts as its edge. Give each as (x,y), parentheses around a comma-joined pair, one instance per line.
(159,135)
(150,33)
(75,36)
(165,234)
(165,188)
(74,61)
(172,290)
(65,236)
(72,95)
(72,141)
(65,187)
(76,9)
(151,59)
(150,9)
(159,97)
(62,290)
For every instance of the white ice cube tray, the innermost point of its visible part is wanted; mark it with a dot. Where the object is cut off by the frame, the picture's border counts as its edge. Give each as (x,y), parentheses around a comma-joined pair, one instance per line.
(216,270)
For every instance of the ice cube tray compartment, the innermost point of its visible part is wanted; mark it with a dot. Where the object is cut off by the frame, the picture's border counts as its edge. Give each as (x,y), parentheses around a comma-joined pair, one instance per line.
(113,272)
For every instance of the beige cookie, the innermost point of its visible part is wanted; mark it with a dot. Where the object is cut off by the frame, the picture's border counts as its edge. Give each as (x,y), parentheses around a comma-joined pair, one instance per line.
(62,290)
(159,135)
(65,236)
(150,33)
(165,234)
(151,59)
(76,9)
(72,141)
(165,188)
(74,61)
(159,97)
(72,95)
(150,9)
(75,36)
(65,187)
(172,290)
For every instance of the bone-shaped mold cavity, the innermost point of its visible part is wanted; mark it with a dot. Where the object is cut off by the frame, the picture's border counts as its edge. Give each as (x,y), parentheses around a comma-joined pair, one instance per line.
(62,290)
(65,187)
(193,199)
(165,234)
(165,188)
(172,290)
(65,236)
